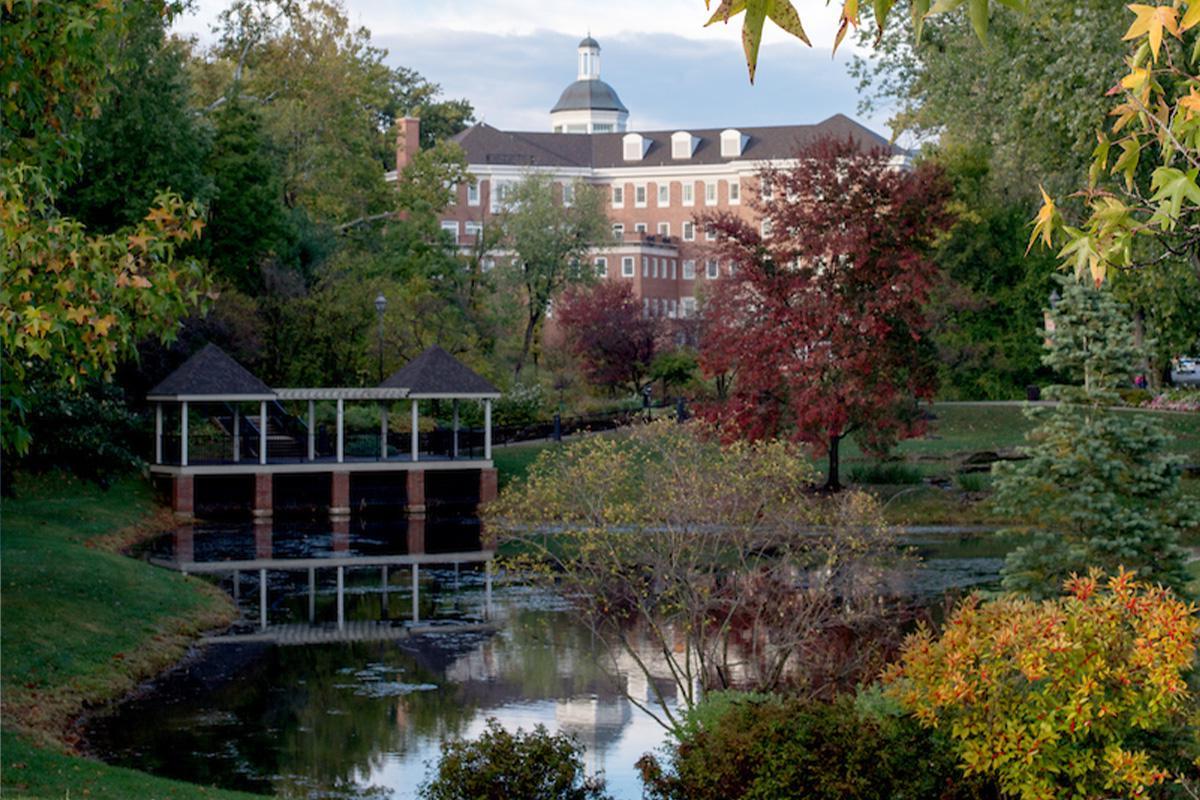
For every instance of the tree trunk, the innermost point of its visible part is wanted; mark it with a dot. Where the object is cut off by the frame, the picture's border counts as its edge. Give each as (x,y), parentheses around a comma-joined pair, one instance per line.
(832,483)
(529,328)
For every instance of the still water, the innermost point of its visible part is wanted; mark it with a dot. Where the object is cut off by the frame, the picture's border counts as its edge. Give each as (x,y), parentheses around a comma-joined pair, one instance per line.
(383,638)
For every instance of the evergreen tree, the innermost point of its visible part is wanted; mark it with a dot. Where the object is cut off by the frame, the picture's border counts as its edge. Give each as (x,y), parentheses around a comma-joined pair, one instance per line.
(1098,482)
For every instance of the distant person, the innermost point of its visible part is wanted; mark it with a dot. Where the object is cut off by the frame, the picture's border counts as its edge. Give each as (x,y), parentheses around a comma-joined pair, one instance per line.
(1140,382)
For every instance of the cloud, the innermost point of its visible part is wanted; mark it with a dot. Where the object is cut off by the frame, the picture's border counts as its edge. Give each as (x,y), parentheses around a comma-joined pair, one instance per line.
(512,59)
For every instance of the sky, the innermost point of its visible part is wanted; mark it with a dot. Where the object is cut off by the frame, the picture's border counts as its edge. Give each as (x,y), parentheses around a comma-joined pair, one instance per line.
(512,59)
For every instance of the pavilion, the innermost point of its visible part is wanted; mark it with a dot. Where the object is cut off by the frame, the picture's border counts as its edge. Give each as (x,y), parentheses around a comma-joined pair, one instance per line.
(214,418)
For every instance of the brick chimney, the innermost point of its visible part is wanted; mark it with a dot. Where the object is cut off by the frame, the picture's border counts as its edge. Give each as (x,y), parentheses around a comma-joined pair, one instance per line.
(408,140)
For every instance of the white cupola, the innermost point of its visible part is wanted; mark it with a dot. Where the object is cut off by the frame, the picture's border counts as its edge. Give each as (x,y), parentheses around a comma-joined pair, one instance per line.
(589,105)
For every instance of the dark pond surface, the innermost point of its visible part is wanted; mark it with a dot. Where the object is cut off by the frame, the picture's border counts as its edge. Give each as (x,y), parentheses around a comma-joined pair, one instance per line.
(302,709)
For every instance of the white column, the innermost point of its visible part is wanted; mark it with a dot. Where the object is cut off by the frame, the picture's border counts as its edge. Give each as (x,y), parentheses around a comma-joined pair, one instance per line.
(262,599)
(237,434)
(262,432)
(312,594)
(158,433)
(416,431)
(341,440)
(312,430)
(416,577)
(454,438)
(487,430)
(183,420)
(341,595)
(383,430)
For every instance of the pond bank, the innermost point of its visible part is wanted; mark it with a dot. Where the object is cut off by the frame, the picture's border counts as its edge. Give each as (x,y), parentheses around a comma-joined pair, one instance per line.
(84,625)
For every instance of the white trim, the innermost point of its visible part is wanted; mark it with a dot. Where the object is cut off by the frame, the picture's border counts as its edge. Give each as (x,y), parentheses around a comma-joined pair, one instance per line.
(341,393)
(183,433)
(487,431)
(158,433)
(312,430)
(416,432)
(341,430)
(617,189)
(308,467)
(262,432)
(209,398)
(644,189)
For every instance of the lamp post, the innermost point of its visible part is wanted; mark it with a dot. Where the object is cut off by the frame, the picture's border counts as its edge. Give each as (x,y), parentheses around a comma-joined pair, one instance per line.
(380,307)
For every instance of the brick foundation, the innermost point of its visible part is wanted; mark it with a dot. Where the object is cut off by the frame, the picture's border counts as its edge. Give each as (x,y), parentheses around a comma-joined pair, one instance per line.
(264,503)
(488,485)
(339,495)
(183,496)
(415,491)
(416,535)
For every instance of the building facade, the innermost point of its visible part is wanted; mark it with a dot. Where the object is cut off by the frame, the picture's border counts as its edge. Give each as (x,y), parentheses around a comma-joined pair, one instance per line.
(658,184)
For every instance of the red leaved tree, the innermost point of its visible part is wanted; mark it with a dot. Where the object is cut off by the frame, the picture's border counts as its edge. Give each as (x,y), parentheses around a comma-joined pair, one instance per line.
(606,329)
(821,320)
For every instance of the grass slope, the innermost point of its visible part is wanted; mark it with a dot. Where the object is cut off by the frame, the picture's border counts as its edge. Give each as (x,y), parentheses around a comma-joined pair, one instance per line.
(83,625)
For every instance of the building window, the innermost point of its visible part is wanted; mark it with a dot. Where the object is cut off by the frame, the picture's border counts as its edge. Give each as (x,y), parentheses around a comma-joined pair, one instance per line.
(645,306)
(664,229)
(500,192)
(766,228)
(664,195)
(627,267)
(602,267)
(764,188)
(618,231)
(639,227)
(473,193)
(689,306)
(710,267)
(654,306)
(568,194)
(602,127)
(710,193)
(710,233)
(473,229)
(673,265)
(451,227)
(735,192)
(689,231)
(672,309)
(618,198)
(639,196)
(645,266)
(654,268)
(689,270)
(489,264)
(689,194)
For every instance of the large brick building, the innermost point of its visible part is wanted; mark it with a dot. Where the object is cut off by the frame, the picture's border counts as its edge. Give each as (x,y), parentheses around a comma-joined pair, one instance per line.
(658,183)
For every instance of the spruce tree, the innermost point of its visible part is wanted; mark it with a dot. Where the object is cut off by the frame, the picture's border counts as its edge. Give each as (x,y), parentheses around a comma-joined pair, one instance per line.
(1098,483)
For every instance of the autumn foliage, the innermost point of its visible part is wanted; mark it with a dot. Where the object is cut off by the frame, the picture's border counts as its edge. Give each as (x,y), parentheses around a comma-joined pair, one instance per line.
(1046,696)
(607,331)
(821,321)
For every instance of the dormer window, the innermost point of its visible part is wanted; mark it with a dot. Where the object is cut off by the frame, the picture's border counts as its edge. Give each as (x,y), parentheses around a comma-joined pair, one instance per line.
(635,146)
(733,142)
(683,144)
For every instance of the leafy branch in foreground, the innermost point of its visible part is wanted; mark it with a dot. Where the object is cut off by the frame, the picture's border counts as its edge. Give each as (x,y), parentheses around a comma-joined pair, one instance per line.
(784,14)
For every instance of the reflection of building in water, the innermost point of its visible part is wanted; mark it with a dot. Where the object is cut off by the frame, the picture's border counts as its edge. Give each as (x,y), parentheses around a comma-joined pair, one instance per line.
(595,722)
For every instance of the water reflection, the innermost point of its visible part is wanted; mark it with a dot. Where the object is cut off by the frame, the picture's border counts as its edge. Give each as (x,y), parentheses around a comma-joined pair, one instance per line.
(376,640)
(363,644)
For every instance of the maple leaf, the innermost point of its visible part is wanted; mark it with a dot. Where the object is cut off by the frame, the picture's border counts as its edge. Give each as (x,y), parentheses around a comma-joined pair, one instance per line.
(1043,223)
(1152,21)
(1191,103)
(781,12)
(1191,17)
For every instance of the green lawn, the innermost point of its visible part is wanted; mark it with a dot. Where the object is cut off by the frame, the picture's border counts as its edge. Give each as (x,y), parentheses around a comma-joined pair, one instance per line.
(513,461)
(83,625)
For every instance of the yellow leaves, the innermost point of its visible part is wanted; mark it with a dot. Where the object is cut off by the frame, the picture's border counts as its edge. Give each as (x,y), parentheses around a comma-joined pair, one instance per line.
(1191,17)
(848,17)
(160,216)
(141,241)
(78,314)
(102,324)
(781,12)
(1151,21)
(1191,103)
(1043,223)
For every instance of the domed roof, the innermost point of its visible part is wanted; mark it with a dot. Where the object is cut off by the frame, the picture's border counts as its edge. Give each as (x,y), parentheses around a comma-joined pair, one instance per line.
(589,95)
(588,41)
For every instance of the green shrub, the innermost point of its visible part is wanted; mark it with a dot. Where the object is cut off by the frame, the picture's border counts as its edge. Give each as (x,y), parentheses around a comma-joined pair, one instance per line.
(764,747)
(520,405)
(890,472)
(972,481)
(1135,397)
(500,765)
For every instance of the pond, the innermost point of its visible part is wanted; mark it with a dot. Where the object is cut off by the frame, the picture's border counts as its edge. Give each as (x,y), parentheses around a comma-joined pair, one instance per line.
(378,640)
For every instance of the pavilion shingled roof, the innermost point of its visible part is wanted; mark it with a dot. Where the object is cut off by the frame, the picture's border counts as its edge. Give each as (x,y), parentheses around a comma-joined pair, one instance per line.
(437,372)
(210,372)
